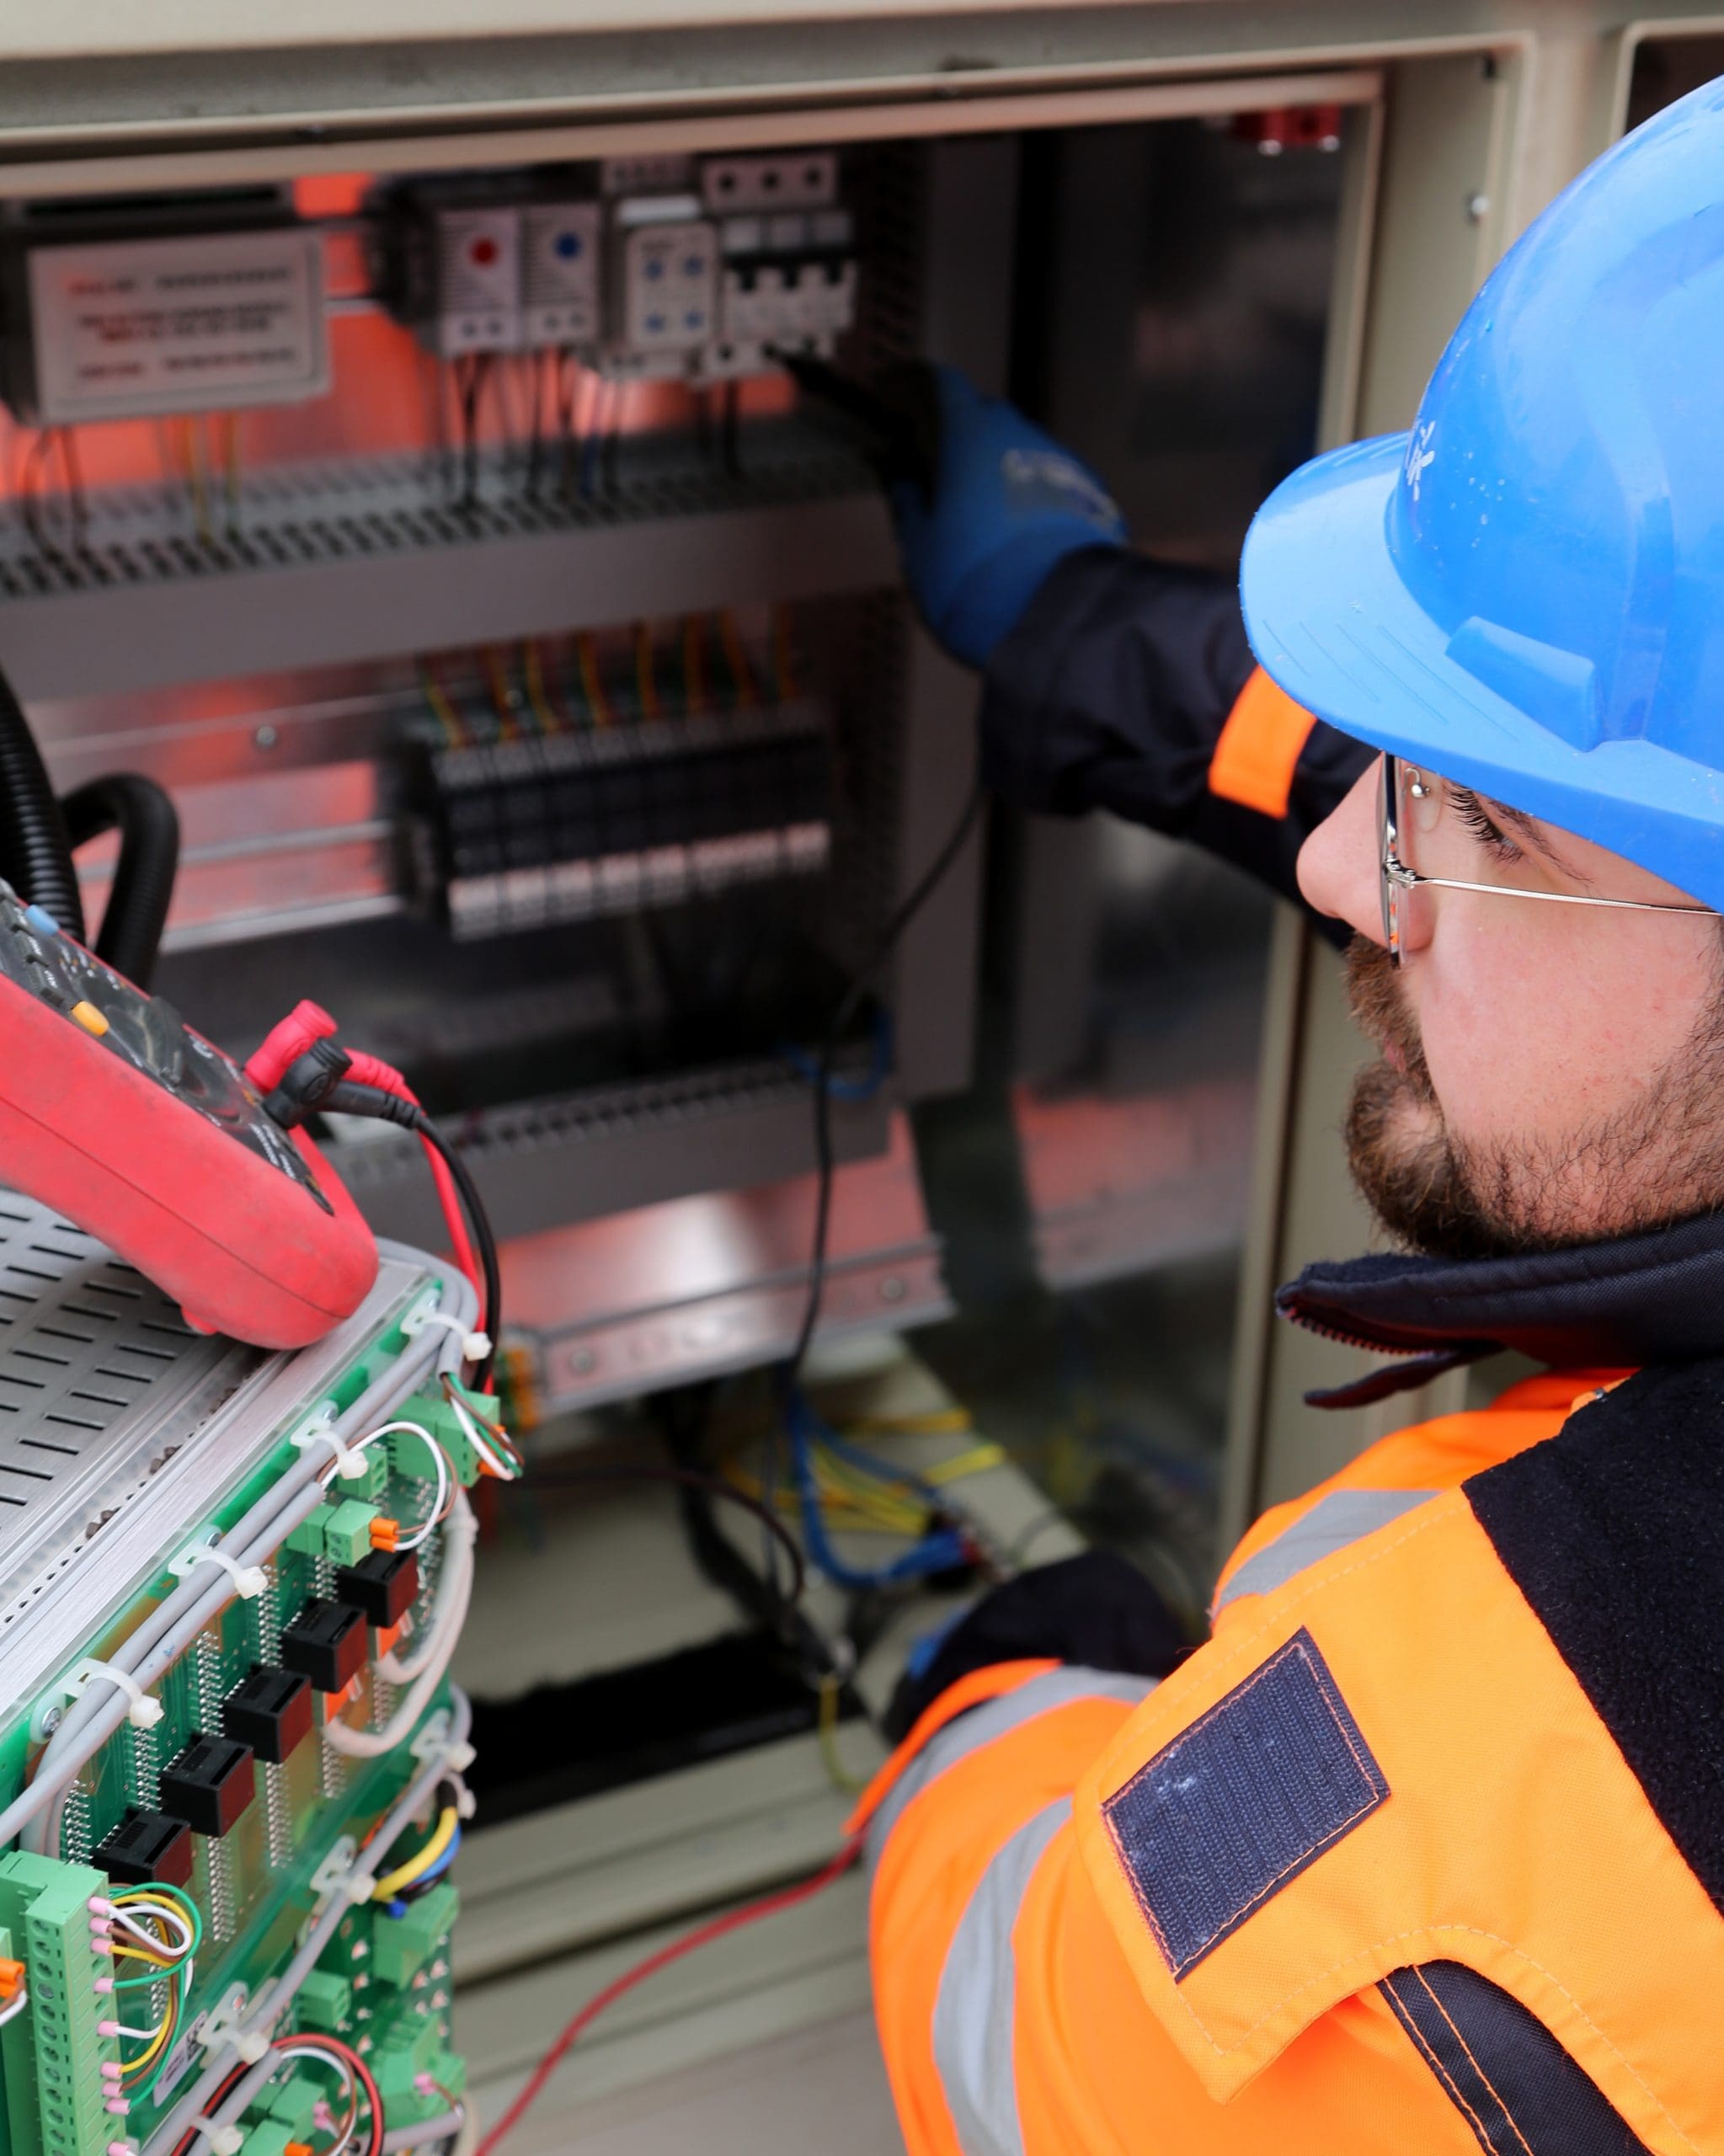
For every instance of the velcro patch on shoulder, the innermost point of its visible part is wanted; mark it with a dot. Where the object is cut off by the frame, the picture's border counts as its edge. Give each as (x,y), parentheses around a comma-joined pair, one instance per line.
(1233,1809)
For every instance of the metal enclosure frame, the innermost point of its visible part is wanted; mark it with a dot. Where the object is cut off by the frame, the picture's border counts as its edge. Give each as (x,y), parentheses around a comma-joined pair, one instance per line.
(1490,106)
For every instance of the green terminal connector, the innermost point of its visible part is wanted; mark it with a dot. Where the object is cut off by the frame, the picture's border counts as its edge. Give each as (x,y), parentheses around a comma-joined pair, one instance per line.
(51,2058)
(294,2101)
(269,2137)
(433,1412)
(370,1486)
(407,2052)
(325,2002)
(342,1532)
(401,1945)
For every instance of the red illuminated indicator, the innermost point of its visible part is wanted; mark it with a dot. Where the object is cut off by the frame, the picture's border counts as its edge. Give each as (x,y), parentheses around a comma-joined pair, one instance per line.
(482,252)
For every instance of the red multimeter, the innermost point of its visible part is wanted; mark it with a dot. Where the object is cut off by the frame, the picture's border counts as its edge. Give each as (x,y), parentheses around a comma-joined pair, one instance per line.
(116,1113)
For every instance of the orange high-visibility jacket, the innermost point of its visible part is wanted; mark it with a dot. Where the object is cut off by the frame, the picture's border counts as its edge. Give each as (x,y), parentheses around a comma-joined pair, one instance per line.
(1371,1871)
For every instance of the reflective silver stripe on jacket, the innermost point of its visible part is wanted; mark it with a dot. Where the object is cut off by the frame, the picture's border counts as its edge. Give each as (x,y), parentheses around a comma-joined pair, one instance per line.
(1343,1516)
(981,1725)
(975,2010)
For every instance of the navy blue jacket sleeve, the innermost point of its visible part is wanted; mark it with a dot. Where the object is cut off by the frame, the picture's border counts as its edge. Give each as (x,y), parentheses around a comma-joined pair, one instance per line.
(1112,692)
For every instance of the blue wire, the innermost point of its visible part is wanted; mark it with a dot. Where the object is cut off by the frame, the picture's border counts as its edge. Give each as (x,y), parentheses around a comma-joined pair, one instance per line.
(431,1873)
(808,1067)
(938,1552)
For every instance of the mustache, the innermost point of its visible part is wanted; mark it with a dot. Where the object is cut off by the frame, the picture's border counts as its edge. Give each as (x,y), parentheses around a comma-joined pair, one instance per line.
(1381,1011)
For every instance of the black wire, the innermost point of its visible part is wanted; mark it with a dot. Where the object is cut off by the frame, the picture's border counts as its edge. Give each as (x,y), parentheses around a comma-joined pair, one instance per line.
(860,983)
(687,1478)
(771,1461)
(486,1241)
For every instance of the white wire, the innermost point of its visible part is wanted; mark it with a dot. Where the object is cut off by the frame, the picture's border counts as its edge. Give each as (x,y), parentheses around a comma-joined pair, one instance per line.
(445,1479)
(139,2035)
(355,2095)
(274,1997)
(427,1669)
(175,1917)
(476,1438)
(17,2007)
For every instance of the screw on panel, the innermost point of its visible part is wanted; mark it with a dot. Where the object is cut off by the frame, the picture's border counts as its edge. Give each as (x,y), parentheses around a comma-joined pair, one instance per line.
(265,736)
(1478,208)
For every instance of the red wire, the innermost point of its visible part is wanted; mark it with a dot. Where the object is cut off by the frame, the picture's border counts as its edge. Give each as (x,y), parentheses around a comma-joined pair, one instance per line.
(734,1920)
(372,1071)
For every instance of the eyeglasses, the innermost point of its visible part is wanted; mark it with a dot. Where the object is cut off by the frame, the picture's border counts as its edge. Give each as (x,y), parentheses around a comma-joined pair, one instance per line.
(1415,822)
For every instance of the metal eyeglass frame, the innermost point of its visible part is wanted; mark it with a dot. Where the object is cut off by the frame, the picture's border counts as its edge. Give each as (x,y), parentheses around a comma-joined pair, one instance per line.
(1396,877)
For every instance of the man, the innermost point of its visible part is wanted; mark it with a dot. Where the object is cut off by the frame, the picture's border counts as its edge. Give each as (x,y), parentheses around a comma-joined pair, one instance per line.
(1424,1849)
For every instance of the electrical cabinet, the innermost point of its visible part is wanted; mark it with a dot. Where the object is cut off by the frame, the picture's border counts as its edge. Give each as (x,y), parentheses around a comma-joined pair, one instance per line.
(528,662)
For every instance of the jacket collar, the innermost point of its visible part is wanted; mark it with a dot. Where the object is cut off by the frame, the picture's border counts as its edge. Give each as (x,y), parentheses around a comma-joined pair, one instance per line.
(1657,1298)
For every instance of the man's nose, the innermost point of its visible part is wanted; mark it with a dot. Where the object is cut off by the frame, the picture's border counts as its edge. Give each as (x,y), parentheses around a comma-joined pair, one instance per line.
(1338,869)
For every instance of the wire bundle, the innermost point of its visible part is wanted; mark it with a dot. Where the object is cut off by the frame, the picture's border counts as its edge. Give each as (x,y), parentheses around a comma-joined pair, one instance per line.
(157,1933)
(359,2092)
(412,1879)
(909,1504)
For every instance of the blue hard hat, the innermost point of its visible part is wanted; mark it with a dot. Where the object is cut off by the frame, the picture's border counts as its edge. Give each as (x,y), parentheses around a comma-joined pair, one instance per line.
(1526,591)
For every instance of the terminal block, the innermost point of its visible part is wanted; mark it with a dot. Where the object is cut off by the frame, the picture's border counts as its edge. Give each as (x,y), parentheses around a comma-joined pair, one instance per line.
(403,1945)
(340,1532)
(52,2058)
(624,819)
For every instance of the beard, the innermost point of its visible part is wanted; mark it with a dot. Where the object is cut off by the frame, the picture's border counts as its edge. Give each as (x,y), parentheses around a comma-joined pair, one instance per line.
(1657,1160)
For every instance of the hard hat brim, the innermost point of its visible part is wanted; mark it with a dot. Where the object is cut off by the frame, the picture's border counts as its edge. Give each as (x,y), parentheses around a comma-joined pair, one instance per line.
(1333,623)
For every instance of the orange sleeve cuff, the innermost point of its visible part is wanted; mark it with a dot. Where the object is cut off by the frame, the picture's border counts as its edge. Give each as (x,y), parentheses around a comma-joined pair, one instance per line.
(1259,747)
(970,1691)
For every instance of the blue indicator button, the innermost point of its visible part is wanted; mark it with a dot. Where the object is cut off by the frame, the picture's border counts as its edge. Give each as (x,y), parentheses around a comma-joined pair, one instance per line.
(568,245)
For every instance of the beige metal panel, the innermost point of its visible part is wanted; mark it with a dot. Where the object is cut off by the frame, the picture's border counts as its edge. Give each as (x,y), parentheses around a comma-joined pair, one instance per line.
(133,154)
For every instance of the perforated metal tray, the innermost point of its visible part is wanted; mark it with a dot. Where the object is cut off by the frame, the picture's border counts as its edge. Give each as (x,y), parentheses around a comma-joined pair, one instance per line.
(120,1428)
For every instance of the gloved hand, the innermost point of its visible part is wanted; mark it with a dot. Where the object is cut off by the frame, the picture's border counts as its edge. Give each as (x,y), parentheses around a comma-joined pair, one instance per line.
(1094,1611)
(1007,503)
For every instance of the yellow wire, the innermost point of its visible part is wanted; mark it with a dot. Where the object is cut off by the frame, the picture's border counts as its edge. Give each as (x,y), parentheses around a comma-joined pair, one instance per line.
(837,1773)
(231,460)
(597,701)
(391,1884)
(646,687)
(533,667)
(976,1462)
(437,697)
(499,675)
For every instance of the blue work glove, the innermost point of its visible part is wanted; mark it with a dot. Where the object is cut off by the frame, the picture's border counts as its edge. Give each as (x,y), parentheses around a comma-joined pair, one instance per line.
(1007,503)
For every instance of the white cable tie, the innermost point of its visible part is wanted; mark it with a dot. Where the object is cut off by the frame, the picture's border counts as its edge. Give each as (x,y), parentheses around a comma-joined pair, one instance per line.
(143,1713)
(223,2140)
(249,1581)
(474,1346)
(351,1461)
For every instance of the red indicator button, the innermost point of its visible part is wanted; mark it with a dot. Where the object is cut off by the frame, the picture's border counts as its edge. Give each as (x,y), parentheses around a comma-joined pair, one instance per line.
(482,252)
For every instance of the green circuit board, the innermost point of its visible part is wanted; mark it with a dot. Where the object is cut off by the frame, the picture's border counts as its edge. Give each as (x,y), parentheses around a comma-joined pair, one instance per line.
(382,1986)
